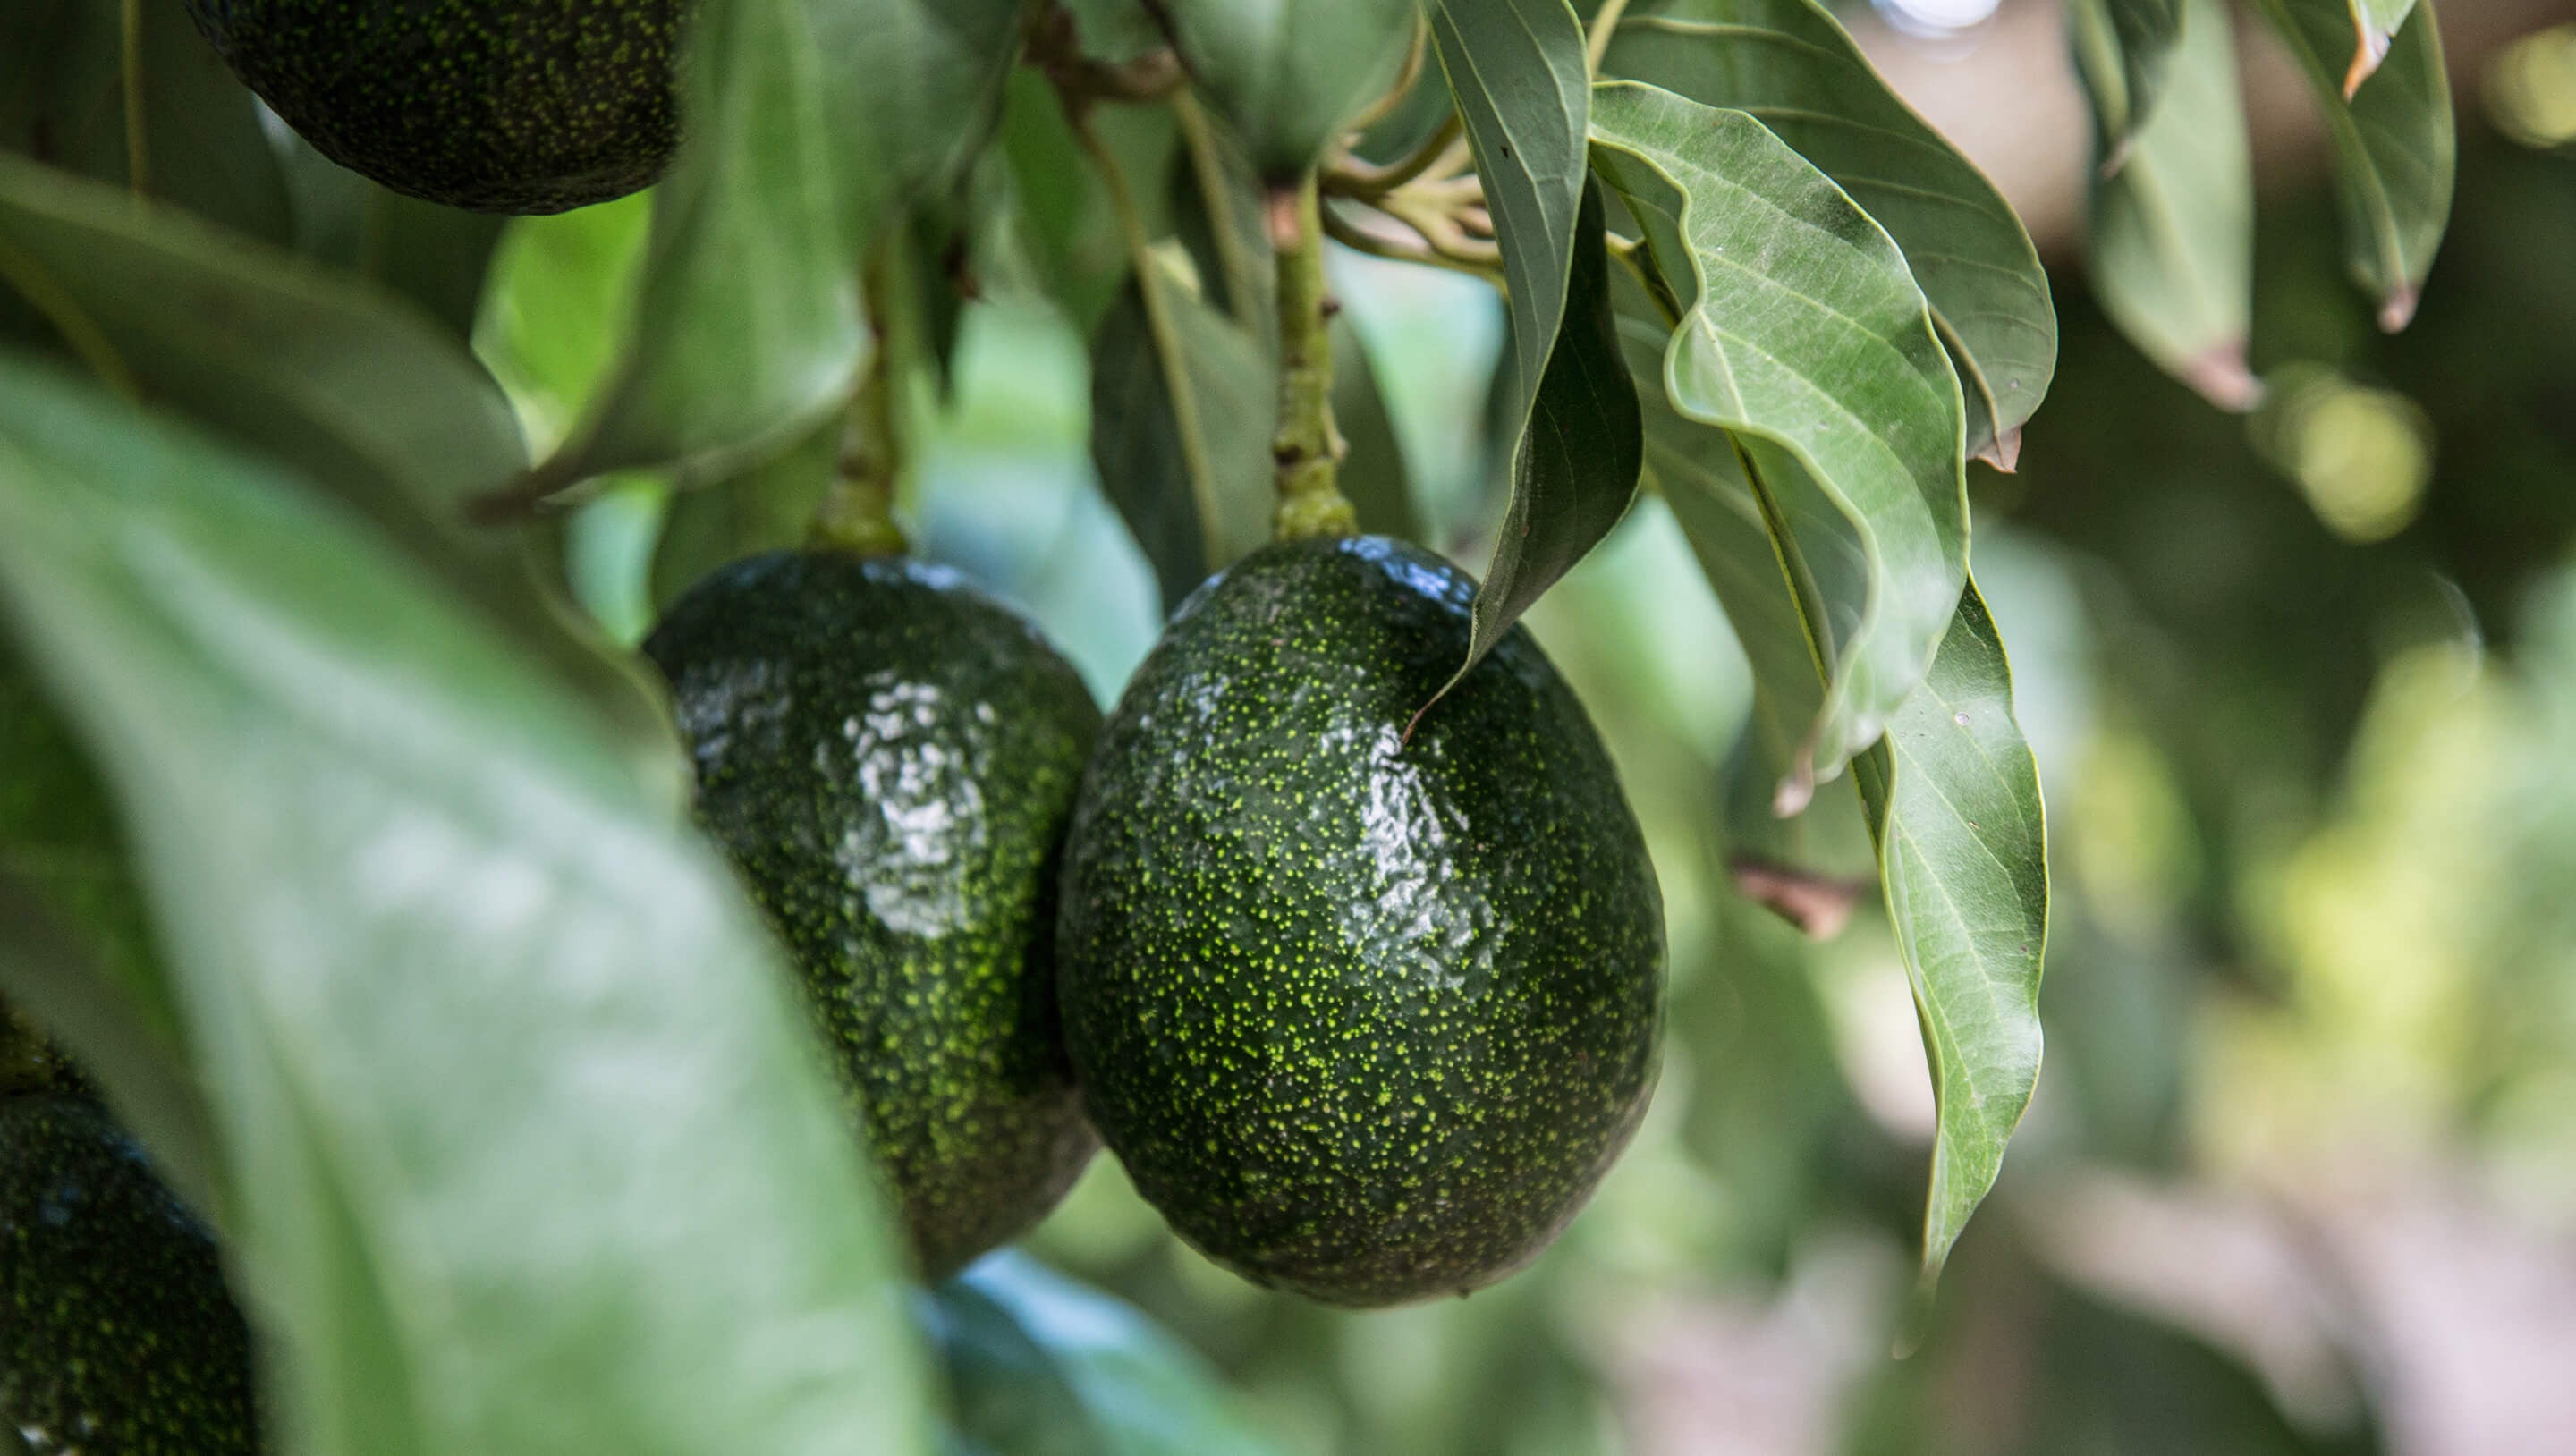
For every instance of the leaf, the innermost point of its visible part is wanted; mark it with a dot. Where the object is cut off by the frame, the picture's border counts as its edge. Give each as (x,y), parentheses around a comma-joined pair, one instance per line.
(1181,434)
(62,102)
(766,508)
(2122,49)
(1065,220)
(533,1151)
(1374,474)
(1041,1366)
(1953,800)
(362,396)
(1517,69)
(2375,23)
(810,124)
(1800,331)
(433,255)
(2172,238)
(1290,75)
(1790,65)
(2393,145)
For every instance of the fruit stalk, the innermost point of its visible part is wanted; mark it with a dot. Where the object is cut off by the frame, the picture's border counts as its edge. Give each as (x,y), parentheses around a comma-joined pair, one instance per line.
(1307,448)
(856,514)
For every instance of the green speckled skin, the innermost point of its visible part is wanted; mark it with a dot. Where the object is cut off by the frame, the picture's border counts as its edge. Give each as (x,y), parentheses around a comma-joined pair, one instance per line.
(1365,1019)
(117,1336)
(891,758)
(522,106)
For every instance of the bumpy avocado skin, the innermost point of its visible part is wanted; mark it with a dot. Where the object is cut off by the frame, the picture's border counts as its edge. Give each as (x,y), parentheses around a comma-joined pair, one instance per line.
(117,1336)
(890,757)
(1365,1019)
(522,106)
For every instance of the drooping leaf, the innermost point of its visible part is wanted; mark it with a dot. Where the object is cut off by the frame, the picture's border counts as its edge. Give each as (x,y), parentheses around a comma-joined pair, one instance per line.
(1952,795)
(1041,1366)
(62,102)
(1180,432)
(531,1149)
(1790,64)
(809,125)
(765,508)
(1289,75)
(2394,146)
(1517,70)
(1374,473)
(2171,250)
(1799,330)
(2122,48)
(2375,24)
(433,255)
(363,396)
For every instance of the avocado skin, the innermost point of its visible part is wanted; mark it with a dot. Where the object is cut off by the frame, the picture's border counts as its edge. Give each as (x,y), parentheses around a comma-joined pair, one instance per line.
(1365,1019)
(890,758)
(520,106)
(117,1336)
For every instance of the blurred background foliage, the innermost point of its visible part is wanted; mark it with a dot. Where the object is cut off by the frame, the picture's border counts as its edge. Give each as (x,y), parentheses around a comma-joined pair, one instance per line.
(2301,1176)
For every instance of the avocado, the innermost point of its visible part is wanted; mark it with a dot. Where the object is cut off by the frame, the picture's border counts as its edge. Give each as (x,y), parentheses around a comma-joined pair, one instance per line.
(890,757)
(117,1337)
(1365,1017)
(521,106)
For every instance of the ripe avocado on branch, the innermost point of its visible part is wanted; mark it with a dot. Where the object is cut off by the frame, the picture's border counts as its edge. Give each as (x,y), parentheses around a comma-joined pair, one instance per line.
(890,758)
(117,1336)
(1365,1018)
(522,106)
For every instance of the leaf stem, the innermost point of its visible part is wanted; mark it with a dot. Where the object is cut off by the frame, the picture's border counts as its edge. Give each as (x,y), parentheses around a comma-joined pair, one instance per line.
(138,146)
(1307,448)
(1353,177)
(1605,24)
(1207,169)
(1159,324)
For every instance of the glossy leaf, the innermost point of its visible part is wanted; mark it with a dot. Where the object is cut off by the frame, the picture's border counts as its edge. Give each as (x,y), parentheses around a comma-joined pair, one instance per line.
(2394,146)
(62,102)
(532,1149)
(2172,241)
(364,397)
(1952,796)
(1182,437)
(1790,64)
(1517,70)
(810,124)
(2122,49)
(1041,1366)
(1289,75)
(1800,331)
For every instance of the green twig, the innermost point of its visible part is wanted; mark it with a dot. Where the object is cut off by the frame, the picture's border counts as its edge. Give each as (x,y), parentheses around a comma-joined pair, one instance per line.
(1605,24)
(138,147)
(1207,169)
(1308,448)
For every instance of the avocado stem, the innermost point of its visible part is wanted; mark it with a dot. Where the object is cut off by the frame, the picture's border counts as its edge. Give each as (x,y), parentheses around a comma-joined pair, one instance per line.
(1308,448)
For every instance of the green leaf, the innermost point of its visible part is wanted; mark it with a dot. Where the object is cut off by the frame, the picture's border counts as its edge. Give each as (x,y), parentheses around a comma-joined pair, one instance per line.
(811,123)
(1290,75)
(363,396)
(532,1149)
(1180,432)
(1374,474)
(2172,239)
(766,508)
(62,102)
(1790,65)
(1517,69)
(2375,24)
(2393,147)
(435,256)
(1952,796)
(2122,49)
(1799,329)
(1065,220)
(1041,1366)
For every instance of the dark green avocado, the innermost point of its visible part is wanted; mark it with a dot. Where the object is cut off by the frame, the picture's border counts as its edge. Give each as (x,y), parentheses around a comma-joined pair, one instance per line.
(890,757)
(117,1337)
(519,106)
(1366,1019)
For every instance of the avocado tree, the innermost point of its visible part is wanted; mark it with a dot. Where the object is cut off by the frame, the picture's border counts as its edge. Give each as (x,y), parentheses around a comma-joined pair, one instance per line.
(347,851)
